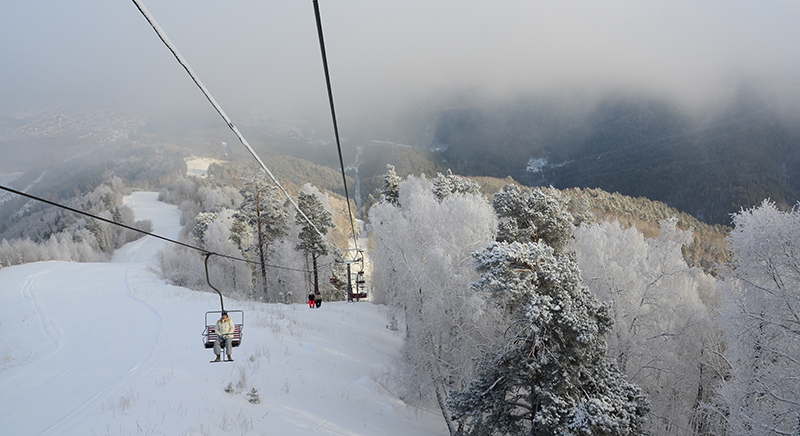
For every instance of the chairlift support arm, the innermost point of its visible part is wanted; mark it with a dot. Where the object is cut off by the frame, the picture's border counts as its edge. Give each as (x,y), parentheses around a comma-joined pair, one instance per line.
(221,302)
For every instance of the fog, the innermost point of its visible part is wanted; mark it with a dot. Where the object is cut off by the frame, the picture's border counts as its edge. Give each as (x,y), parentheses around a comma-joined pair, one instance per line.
(264,55)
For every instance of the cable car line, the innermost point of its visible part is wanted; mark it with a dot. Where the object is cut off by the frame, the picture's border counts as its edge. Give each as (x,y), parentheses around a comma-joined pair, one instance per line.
(333,115)
(163,36)
(164,238)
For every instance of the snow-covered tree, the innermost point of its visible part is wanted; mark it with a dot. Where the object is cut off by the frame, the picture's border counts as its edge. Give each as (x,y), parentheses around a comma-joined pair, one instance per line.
(201,223)
(230,276)
(262,209)
(663,337)
(552,375)
(444,185)
(533,215)
(423,263)
(390,191)
(760,314)
(312,241)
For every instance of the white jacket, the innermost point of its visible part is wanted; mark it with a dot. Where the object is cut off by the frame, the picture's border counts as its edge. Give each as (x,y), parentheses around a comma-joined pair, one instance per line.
(225,327)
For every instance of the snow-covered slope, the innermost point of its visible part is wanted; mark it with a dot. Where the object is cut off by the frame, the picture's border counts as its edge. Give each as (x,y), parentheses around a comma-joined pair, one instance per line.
(109,349)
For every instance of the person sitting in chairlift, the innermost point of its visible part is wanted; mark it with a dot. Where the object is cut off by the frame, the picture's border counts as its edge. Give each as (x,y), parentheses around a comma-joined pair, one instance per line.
(311,301)
(225,329)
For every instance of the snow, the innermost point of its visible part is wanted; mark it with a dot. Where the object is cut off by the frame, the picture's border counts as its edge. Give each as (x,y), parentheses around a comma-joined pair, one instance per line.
(198,166)
(110,349)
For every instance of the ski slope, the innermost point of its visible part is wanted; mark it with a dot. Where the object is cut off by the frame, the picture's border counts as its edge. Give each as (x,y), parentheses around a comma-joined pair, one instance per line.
(109,349)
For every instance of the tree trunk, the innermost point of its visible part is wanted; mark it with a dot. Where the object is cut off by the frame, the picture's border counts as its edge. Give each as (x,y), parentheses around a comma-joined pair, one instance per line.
(316,275)
(261,255)
(440,398)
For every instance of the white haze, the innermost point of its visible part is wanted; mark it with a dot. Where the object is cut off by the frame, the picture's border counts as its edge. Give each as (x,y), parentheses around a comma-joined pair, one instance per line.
(264,56)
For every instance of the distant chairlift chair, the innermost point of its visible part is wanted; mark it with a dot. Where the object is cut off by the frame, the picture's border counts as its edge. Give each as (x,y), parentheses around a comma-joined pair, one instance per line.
(359,291)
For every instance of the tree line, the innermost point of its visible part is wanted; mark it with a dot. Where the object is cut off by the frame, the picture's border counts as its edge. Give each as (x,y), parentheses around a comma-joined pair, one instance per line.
(522,315)
(289,252)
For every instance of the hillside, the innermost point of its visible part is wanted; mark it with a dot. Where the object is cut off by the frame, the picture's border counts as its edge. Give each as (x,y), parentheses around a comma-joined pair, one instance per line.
(708,250)
(122,354)
(707,164)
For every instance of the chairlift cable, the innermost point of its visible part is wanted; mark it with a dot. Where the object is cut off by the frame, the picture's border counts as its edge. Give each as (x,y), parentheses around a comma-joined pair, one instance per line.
(333,116)
(163,36)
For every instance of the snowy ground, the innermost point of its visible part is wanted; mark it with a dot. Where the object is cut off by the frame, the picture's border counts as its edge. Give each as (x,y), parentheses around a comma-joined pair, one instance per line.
(109,349)
(198,166)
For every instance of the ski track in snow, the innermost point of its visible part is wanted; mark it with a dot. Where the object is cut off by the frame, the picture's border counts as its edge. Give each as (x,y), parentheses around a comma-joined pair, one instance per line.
(39,386)
(122,380)
(28,291)
(94,376)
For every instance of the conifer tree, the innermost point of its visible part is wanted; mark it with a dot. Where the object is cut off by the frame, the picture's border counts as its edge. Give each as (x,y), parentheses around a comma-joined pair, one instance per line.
(263,211)
(311,241)
(390,191)
(551,376)
(444,185)
(202,221)
(533,215)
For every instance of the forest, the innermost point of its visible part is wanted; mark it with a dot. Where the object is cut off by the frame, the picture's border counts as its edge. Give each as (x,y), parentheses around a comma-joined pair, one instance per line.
(523,310)
(708,164)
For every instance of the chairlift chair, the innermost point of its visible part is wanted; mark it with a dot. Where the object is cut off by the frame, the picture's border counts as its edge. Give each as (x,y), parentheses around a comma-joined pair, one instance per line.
(210,334)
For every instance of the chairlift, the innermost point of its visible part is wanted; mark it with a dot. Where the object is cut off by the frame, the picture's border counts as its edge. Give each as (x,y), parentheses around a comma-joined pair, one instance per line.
(209,332)
(357,293)
(359,290)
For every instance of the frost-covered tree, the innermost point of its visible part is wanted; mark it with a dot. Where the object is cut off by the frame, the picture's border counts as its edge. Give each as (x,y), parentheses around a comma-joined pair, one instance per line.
(663,337)
(201,223)
(233,277)
(312,241)
(390,191)
(533,215)
(423,268)
(262,209)
(241,235)
(760,314)
(447,184)
(552,375)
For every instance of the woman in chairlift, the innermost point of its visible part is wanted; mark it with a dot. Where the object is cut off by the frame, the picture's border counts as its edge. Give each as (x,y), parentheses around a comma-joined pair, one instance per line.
(225,329)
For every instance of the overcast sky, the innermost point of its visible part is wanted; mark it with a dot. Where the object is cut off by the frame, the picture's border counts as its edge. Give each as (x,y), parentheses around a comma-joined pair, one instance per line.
(264,54)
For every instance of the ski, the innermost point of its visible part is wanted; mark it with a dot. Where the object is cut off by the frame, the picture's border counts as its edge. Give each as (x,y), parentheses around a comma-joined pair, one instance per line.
(220,361)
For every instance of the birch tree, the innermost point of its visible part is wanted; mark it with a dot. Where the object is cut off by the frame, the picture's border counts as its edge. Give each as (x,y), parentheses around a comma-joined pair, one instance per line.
(423,252)
(760,315)
(663,337)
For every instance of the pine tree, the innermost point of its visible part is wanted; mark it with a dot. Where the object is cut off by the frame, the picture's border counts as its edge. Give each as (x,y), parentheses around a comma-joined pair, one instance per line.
(263,211)
(551,376)
(390,191)
(311,237)
(202,221)
(533,215)
(444,185)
